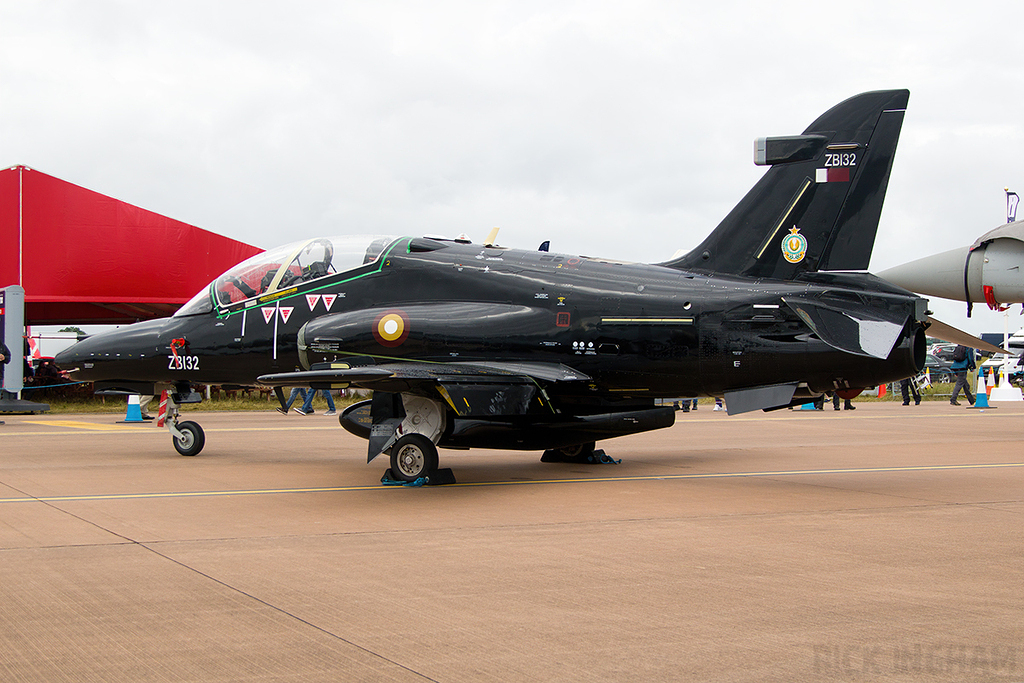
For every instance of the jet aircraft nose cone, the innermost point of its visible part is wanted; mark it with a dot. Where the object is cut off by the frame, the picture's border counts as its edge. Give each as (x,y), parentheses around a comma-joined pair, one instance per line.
(123,353)
(941,275)
(67,357)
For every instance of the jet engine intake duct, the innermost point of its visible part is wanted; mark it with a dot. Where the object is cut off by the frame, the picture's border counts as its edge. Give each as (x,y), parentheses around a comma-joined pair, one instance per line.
(303,356)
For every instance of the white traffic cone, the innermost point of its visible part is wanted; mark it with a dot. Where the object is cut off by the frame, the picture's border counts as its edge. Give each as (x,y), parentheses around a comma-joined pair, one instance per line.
(981,397)
(134,411)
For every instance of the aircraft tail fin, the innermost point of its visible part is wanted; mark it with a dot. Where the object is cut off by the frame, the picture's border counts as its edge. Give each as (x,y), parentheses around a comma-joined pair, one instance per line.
(817,207)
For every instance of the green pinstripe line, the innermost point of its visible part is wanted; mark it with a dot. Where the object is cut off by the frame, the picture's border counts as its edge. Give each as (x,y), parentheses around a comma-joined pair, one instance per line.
(335,283)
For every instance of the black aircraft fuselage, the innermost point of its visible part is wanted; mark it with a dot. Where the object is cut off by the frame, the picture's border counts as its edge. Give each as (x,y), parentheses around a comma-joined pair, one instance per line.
(633,329)
(468,345)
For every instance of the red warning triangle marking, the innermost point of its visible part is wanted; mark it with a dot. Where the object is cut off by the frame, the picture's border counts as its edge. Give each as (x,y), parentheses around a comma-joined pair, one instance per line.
(311,299)
(286,312)
(329,300)
(268,313)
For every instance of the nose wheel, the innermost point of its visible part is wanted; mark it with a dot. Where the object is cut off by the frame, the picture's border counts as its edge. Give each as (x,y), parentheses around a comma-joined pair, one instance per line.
(190,438)
(187,436)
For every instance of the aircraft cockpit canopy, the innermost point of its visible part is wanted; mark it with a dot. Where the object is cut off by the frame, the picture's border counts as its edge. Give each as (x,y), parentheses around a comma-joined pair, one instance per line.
(287,266)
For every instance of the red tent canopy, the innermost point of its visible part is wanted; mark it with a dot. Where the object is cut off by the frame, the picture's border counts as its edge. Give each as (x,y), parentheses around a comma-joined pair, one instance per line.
(83,257)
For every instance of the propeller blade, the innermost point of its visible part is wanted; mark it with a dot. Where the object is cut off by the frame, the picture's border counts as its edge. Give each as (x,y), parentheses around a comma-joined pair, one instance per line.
(940,330)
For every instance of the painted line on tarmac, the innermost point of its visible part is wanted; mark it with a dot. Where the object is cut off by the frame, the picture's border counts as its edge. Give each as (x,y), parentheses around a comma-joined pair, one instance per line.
(778,473)
(91,426)
(379,487)
(810,414)
(98,427)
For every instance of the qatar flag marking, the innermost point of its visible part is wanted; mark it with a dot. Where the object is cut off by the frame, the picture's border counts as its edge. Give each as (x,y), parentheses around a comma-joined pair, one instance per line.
(268,313)
(311,299)
(286,312)
(329,300)
(832,175)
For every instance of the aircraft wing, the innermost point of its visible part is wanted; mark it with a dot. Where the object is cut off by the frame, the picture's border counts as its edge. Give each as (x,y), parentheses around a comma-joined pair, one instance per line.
(470,389)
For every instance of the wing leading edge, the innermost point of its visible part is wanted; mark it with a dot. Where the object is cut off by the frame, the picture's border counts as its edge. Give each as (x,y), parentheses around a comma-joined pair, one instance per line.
(469,389)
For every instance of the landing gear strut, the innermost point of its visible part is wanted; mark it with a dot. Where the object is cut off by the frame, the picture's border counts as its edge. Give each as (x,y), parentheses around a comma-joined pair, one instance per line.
(188,437)
(411,444)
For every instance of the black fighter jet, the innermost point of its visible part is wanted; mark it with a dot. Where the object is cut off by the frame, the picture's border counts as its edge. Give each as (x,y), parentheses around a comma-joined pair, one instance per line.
(478,346)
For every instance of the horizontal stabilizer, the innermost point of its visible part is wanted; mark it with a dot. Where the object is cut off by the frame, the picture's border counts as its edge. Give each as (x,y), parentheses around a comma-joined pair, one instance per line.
(759,398)
(948,333)
(851,328)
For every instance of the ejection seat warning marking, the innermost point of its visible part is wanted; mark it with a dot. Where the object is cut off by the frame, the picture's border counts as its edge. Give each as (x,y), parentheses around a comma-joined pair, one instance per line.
(286,312)
(275,330)
(312,300)
(329,300)
(268,313)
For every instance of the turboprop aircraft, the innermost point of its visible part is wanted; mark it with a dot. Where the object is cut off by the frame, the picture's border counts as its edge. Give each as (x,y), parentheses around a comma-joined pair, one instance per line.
(478,346)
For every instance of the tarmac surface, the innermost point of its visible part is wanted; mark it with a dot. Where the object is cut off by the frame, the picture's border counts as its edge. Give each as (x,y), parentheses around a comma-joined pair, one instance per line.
(880,544)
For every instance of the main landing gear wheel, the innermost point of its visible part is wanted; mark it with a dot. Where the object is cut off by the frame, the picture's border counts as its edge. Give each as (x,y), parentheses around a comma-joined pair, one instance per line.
(580,452)
(412,457)
(192,438)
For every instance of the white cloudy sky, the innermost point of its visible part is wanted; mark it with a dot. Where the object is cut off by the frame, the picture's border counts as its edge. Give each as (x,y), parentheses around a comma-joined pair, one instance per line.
(612,129)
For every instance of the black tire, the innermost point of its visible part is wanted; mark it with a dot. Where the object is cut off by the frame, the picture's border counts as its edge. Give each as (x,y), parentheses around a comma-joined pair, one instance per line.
(579,453)
(192,441)
(412,457)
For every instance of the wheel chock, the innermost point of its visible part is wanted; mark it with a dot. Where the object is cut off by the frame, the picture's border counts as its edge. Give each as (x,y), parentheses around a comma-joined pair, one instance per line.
(442,476)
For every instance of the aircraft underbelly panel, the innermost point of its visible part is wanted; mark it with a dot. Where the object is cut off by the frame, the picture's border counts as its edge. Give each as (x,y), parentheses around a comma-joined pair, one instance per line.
(554,433)
(472,399)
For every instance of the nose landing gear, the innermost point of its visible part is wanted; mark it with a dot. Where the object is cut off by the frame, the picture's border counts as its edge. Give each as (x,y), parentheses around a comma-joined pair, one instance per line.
(189,439)
(187,436)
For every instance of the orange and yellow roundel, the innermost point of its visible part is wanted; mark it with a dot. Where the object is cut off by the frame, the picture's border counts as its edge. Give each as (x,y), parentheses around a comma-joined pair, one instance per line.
(391,328)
